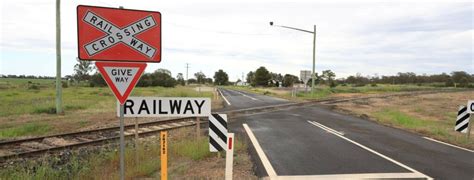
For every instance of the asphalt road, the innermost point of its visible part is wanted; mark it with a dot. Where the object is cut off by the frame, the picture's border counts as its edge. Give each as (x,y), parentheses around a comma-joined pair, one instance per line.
(234,99)
(315,142)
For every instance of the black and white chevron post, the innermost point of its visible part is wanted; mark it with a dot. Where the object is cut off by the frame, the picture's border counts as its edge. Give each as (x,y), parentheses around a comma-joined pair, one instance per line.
(217,132)
(462,121)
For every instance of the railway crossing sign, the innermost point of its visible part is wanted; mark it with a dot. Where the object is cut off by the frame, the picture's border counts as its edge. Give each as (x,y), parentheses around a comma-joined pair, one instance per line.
(111,34)
(121,77)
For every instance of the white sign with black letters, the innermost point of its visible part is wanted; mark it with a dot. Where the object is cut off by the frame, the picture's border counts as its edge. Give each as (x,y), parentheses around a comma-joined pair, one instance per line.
(470,106)
(166,107)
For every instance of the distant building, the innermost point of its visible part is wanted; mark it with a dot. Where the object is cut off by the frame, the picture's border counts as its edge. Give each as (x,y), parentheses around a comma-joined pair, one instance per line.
(240,83)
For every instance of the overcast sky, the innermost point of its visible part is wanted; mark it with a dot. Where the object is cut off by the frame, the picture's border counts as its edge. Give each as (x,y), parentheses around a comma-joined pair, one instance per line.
(367,37)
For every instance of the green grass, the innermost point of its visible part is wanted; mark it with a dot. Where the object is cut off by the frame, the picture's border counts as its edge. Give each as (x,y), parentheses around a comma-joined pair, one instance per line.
(25,129)
(18,99)
(82,105)
(196,149)
(400,119)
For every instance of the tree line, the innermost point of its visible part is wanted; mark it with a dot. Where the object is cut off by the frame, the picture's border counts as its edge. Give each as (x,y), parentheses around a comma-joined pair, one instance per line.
(265,78)
(262,77)
(84,75)
(454,79)
(159,77)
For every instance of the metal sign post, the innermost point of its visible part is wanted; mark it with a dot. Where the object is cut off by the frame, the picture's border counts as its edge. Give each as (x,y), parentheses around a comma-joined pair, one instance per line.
(198,127)
(122,145)
(101,39)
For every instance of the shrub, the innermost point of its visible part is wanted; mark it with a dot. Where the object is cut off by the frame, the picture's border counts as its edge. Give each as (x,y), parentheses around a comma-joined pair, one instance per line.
(64,84)
(34,87)
(47,110)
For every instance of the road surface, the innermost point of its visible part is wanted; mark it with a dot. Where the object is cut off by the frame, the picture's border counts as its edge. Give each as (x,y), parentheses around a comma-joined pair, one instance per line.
(235,99)
(315,142)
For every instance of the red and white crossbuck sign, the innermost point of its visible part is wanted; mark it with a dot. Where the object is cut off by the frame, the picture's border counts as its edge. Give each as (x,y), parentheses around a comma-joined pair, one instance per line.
(109,34)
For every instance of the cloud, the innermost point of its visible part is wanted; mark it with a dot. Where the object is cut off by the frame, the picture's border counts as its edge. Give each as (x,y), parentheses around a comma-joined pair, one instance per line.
(367,37)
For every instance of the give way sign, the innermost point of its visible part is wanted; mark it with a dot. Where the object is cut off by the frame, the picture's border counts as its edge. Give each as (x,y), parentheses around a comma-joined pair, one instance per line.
(121,77)
(110,34)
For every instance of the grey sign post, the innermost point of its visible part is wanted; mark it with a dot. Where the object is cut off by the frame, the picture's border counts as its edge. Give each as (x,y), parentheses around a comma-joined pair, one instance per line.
(122,145)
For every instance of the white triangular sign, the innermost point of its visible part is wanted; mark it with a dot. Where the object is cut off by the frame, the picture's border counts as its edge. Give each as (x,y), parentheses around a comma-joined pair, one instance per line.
(121,77)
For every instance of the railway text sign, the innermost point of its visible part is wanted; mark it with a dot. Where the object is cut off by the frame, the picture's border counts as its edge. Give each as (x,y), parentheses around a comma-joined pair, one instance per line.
(166,107)
(111,34)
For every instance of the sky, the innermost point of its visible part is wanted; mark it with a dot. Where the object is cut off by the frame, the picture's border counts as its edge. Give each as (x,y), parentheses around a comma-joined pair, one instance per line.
(367,37)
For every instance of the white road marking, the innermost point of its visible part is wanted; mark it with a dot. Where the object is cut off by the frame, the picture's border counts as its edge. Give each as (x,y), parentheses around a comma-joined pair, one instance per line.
(326,128)
(448,144)
(379,154)
(227,101)
(354,176)
(266,163)
(246,95)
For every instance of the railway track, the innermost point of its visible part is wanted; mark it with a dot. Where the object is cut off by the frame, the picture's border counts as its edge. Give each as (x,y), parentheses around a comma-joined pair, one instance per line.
(38,145)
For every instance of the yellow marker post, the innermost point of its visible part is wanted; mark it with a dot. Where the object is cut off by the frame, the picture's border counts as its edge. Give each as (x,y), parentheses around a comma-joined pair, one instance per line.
(164,154)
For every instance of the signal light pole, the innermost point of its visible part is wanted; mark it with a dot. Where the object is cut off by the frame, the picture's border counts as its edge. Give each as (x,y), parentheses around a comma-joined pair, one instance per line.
(313,75)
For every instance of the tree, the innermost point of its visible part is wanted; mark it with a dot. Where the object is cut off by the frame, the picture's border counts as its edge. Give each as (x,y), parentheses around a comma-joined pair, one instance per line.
(262,76)
(82,70)
(460,77)
(464,82)
(192,81)
(317,80)
(208,80)
(180,79)
(161,77)
(328,76)
(200,77)
(221,77)
(289,80)
(165,71)
(251,78)
(96,80)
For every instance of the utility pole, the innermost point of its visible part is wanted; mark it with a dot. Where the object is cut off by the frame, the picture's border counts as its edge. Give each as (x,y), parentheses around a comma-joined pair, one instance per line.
(314,62)
(187,68)
(59,99)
